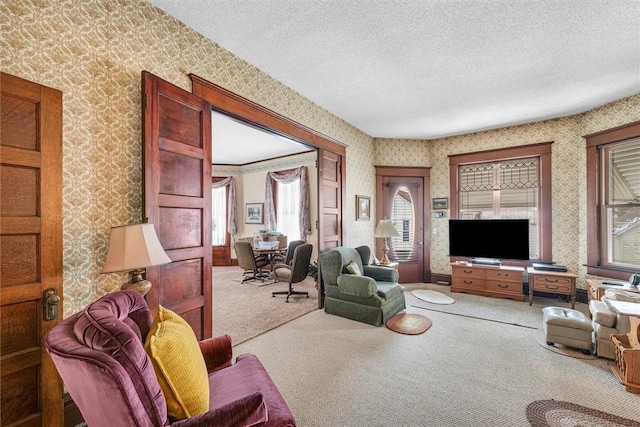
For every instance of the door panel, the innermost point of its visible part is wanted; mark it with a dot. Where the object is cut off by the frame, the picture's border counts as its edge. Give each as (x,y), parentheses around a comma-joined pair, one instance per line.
(330,204)
(30,249)
(402,194)
(177,164)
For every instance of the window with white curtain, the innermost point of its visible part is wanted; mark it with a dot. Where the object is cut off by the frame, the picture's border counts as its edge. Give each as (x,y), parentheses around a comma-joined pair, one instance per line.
(219,216)
(288,209)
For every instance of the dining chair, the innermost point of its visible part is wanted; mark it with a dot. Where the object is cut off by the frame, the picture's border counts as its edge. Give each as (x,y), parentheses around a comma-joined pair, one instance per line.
(299,269)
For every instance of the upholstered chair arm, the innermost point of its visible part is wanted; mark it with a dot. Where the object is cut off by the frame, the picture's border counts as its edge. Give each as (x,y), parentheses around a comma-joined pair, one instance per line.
(217,352)
(280,265)
(359,286)
(247,411)
(382,274)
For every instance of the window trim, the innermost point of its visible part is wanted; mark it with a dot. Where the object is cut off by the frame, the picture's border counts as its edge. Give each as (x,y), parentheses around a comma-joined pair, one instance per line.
(543,152)
(593,142)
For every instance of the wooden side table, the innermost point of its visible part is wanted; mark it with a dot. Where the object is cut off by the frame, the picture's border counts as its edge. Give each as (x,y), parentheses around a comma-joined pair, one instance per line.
(627,364)
(595,289)
(552,282)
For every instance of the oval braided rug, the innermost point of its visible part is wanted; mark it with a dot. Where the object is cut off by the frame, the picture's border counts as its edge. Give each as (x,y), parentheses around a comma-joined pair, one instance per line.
(409,323)
(552,413)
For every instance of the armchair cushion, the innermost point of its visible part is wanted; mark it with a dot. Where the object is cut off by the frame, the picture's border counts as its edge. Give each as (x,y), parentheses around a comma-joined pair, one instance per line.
(179,364)
(359,286)
(601,314)
(353,268)
(382,274)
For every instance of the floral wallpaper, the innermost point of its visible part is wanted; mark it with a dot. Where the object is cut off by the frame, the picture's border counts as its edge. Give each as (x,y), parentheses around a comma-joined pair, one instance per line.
(568,178)
(94,52)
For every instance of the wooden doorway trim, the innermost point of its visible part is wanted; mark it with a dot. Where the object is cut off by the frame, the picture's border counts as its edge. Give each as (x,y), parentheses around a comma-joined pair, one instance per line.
(227,102)
(419,172)
(31,250)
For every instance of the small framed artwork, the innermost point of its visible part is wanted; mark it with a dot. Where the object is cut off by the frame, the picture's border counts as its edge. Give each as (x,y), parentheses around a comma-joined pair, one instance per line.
(254,213)
(363,208)
(441,203)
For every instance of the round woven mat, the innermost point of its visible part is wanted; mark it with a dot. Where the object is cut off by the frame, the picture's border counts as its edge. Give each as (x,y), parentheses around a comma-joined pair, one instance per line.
(552,413)
(431,296)
(538,335)
(409,323)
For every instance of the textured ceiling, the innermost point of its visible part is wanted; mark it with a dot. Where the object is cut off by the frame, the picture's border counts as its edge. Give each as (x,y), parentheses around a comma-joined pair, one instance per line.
(433,68)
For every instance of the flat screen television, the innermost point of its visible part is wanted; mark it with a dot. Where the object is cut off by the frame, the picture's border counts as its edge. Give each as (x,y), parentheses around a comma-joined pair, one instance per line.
(489,238)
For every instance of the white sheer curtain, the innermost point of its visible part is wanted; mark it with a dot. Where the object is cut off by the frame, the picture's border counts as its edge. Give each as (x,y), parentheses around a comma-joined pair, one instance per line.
(300,174)
(218,215)
(289,209)
(231,211)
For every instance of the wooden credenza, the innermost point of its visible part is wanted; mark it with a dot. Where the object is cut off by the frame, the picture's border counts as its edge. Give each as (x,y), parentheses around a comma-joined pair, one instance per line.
(488,280)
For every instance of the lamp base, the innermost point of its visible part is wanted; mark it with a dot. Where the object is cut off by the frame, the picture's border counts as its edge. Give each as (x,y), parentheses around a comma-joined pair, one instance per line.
(137,283)
(385,250)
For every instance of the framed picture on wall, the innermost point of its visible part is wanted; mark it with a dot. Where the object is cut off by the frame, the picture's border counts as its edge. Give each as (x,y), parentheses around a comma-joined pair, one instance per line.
(254,213)
(363,208)
(441,203)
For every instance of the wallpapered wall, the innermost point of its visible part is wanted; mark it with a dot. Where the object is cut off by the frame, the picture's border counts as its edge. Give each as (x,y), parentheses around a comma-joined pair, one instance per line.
(568,179)
(94,52)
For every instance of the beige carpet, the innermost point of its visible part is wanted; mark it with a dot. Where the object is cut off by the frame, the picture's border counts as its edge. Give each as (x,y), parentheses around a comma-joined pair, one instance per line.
(244,310)
(463,372)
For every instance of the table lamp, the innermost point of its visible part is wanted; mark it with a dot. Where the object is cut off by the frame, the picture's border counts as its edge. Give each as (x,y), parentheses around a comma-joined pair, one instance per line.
(384,230)
(134,247)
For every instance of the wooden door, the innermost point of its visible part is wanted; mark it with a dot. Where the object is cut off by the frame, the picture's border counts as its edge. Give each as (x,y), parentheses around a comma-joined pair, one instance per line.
(177,199)
(330,203)
(402,195)
(30,250)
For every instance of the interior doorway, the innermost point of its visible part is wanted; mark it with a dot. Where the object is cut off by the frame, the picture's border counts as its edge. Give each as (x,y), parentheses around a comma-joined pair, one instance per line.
(402,196)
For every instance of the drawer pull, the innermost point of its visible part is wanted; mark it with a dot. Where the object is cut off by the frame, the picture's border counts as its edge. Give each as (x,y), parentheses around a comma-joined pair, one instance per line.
(551,287)
(468,271)
(503,286)
(551,280)
(468,282)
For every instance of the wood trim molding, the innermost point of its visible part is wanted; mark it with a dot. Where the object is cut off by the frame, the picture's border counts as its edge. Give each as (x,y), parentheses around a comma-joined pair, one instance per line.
(541,150)
(235,105)
(593,142)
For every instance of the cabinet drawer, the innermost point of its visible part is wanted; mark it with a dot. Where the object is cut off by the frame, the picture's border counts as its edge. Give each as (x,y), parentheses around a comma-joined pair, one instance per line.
(464,271)
(552,284)
(468,282)
(503,287)
(505,276)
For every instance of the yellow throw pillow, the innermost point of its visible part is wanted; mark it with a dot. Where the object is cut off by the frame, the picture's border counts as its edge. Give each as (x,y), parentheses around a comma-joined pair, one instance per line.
(179,365)
(353,268)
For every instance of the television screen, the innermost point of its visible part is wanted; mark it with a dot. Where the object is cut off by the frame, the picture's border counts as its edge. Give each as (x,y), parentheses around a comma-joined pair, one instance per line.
(489,238)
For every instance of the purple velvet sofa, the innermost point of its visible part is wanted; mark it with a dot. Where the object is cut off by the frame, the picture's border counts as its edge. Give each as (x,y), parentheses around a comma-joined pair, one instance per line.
(100,356)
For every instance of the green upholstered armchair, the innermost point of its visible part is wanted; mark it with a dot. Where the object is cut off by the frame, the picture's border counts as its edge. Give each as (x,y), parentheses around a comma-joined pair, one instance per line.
(373,296)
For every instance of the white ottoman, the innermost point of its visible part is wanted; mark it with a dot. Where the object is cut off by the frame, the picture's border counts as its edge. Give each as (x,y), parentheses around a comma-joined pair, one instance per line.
(567,327)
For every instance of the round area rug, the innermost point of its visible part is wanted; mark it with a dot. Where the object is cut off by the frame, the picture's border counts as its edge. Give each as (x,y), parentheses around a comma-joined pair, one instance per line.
(552,413)
(434,297)
(538,335)
(409,323)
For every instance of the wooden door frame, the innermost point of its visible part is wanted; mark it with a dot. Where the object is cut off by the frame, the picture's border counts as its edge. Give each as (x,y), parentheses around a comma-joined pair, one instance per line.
(421,172)
(227,102)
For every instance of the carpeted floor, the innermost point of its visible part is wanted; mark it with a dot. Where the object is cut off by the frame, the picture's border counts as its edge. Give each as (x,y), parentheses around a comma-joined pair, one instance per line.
(245,310)
(464,371)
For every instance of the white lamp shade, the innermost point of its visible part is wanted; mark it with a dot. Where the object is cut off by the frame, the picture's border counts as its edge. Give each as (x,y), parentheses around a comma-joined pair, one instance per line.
(385,228)
(133,247)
